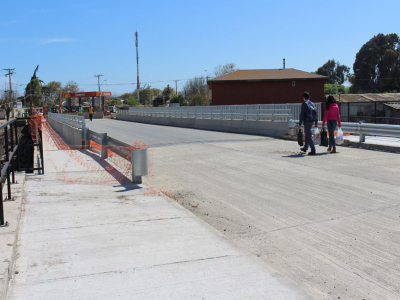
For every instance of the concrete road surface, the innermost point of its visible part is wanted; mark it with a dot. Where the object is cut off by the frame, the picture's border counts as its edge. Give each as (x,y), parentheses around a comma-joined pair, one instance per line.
(80,240)
(329,222)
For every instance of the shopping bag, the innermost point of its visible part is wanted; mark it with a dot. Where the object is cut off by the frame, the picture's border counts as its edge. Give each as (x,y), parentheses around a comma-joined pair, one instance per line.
(339,137)
(324,138)
(300,138)
(316,135)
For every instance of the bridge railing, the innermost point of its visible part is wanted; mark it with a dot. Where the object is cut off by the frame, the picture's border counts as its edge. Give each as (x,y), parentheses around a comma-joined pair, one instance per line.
(361,129)
(259,112)
(74,121)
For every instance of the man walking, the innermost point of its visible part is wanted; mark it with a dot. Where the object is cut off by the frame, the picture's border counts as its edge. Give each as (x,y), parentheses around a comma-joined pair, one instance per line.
(91,113)
(80,110)
(308,115)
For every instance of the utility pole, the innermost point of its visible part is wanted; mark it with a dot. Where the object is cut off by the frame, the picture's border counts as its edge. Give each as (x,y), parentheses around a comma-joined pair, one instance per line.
(98,78)
(208,99)
(176,87)
(10,72)
(137,62)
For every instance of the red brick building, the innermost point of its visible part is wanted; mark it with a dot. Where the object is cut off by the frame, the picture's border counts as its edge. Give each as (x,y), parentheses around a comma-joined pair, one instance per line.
(270,86)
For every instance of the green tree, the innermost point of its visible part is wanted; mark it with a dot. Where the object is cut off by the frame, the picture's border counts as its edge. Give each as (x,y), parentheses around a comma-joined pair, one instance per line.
(196,87)
(70,87)
(178,99)
(377,65)
(197,100)
(336,72)
(52,90)
(334,89)
(132,101)
(168,92)
(33,92)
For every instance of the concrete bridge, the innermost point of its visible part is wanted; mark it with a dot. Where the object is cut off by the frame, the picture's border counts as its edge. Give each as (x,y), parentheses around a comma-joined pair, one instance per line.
(326,226)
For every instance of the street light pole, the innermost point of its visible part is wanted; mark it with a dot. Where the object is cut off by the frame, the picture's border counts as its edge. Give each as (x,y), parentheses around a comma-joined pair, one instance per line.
(98,78)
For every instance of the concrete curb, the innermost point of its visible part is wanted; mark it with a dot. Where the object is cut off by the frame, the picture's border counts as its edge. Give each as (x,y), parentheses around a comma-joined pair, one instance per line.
(7,258)
(373,146)
(348,143)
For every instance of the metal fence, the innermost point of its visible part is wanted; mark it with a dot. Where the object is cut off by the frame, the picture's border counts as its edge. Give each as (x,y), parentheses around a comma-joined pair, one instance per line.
(74,121)
(360,129)
(371,112)
(258,112)
(11,160)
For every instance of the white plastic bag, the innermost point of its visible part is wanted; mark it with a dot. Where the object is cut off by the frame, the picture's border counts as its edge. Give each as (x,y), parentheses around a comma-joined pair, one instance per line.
(339,137)
(316,135)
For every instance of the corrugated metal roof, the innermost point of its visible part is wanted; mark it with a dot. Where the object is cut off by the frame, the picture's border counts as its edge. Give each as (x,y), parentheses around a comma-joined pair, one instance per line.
(367,97)
(267,74)
(393,105)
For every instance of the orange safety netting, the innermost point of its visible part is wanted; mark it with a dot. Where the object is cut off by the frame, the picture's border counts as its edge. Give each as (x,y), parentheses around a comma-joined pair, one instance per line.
(116,168)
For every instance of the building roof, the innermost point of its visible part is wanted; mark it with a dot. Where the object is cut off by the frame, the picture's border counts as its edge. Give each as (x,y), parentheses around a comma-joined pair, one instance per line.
(367,97)
(393,105)
(267,75)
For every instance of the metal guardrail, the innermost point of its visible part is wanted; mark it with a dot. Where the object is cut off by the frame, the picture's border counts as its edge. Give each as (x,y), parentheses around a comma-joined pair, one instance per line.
(74,121)
(138,157)
(5,171)
(12,151)
(362,129)
(259,112)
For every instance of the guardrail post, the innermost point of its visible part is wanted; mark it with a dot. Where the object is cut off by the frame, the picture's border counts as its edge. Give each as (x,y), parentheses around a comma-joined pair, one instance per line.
(140,164)
(85,136)
(12,147)
(362,137)
(7,158)
(41,149)
(103,139)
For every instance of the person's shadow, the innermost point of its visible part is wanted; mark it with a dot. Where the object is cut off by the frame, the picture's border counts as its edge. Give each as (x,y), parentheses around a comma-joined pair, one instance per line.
(302,154)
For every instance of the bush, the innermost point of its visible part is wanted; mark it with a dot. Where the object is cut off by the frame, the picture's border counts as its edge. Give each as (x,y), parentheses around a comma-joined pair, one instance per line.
(178,99)
(334,89)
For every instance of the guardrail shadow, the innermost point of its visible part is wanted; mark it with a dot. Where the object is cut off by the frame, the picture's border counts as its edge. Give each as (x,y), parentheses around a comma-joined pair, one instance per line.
(115,173)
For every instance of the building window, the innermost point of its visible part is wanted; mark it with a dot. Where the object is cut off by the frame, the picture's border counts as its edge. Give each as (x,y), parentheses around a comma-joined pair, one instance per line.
(293,83)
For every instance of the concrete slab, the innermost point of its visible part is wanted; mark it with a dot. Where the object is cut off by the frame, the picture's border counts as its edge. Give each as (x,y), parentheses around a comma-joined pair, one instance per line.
(85,241)
(9,234)
(329,221)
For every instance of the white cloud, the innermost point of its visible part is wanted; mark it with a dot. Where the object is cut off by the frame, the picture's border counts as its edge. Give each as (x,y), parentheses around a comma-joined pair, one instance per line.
(62,40)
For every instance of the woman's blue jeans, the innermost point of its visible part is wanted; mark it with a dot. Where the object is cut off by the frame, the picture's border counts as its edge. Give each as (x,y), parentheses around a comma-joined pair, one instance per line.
(331,129)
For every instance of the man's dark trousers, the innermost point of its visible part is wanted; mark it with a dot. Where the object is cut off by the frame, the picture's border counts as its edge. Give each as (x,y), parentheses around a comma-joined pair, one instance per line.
(307,133)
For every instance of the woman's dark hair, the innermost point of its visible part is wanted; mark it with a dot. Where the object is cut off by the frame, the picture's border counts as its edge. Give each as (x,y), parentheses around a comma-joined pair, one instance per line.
(329,100)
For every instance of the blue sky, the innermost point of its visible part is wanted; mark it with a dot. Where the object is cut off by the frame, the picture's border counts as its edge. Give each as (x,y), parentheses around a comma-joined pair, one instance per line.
(75,40)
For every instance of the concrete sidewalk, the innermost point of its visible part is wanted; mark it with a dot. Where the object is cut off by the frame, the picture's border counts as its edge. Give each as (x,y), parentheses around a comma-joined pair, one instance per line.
(87,241)
(372,142)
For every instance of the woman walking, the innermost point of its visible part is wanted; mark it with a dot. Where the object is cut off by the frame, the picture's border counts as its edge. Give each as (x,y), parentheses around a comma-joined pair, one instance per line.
(332,117)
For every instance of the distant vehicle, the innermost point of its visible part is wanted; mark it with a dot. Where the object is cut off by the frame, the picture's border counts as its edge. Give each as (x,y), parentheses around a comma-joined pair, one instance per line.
(111,108)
